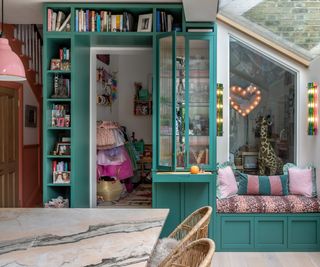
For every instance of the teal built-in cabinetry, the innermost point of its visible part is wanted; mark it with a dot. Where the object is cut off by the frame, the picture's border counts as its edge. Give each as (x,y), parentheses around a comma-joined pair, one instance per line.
(182,61)
(184,124)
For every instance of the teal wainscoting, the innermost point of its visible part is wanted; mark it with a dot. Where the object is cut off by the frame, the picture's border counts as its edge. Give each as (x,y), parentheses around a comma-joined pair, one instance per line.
(268,232)
(182,194)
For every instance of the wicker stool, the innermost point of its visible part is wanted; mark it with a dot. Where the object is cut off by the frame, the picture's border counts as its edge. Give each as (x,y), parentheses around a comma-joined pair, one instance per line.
(194,227)
(199,253)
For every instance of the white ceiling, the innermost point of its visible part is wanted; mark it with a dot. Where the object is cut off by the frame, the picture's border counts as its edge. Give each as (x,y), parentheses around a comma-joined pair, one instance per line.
(30,11)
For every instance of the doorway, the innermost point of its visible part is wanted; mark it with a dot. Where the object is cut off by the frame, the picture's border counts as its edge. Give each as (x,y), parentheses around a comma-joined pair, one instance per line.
(120,95)
(10,144)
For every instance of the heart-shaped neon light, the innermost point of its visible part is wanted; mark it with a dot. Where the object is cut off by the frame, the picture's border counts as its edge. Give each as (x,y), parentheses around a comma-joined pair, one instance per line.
(244,100)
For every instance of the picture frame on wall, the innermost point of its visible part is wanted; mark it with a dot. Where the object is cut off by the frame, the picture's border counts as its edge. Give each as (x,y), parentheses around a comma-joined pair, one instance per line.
(30,116)
(145,23)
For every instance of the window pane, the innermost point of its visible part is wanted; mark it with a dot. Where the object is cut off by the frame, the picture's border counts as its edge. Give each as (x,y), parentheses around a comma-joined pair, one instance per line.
(260,88)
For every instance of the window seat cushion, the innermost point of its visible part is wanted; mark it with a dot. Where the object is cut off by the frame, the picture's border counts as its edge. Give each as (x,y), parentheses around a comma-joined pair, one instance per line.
(268,204)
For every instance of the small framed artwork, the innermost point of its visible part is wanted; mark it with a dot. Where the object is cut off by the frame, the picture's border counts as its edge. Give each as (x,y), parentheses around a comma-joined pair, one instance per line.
(61,177)
(145,23)
(30,116)
(55,64)
(63,149)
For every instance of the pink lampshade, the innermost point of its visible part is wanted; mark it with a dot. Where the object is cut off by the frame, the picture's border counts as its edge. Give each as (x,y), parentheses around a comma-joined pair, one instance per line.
(11,67)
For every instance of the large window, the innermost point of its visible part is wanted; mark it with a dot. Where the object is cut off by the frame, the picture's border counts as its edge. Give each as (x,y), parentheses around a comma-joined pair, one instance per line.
(262,92)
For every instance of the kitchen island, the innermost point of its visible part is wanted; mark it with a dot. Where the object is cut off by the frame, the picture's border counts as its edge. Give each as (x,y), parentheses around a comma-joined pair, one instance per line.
(79,237)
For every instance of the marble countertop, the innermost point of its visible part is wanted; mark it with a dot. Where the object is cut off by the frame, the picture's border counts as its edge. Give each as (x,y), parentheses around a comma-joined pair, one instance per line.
(79,237)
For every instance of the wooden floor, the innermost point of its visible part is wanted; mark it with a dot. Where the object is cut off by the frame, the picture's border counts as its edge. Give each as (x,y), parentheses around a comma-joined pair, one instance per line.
(266,259)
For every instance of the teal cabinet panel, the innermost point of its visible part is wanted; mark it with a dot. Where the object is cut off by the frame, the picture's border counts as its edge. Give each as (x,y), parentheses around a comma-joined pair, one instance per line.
(270,232)
(168,195)
(196,195)
(304,232)
(237,232)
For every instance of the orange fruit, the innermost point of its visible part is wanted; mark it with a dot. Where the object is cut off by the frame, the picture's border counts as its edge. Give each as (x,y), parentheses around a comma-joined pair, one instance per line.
(194,169)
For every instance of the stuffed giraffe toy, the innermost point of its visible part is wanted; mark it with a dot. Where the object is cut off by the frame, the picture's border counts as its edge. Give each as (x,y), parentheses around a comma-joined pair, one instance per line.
(267,157)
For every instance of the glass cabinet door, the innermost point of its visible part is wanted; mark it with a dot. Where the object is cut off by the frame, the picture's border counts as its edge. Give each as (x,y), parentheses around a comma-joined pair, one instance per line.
(199,101)
(185,100)
(180,103)
(165,101)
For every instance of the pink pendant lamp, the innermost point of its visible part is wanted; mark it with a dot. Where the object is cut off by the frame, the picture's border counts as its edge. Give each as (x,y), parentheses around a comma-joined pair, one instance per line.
(11,67)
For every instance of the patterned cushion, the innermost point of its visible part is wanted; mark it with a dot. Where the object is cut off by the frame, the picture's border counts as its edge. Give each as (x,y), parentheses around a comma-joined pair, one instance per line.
(268,204)
(263,185)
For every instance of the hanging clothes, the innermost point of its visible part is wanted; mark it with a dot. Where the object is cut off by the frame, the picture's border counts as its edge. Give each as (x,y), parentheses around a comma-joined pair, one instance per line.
(120,172)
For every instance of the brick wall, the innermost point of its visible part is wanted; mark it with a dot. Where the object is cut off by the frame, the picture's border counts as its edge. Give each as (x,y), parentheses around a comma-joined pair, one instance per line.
(297,21)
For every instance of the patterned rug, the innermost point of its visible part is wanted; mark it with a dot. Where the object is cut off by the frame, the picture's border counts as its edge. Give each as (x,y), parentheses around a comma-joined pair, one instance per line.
(140,197)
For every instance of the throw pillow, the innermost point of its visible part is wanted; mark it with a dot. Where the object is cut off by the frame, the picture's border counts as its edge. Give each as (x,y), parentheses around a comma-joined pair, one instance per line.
(300,182)
(276,185)
(288,166)
(226,183)
(162,250)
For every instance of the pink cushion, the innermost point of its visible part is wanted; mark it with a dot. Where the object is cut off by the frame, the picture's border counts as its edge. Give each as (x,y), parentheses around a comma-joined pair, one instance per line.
(300,182)
(227,183)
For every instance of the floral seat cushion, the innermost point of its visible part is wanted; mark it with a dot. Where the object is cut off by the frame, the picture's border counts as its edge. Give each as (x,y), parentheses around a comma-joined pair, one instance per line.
(268,204)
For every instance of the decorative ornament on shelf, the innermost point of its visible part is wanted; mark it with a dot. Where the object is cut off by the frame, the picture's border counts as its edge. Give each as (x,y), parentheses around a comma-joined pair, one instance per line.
(312,108)
(219,109)
(244,100)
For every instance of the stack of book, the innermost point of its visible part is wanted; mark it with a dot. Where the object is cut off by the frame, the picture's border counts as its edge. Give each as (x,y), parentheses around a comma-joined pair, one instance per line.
(58,21)
(164,22)
(103,21)
(61,87)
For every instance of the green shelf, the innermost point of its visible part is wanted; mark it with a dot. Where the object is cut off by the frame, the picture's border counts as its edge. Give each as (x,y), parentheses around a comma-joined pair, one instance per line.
(59,128)
(59,71)
(58,185)
(58,156)
(59,99)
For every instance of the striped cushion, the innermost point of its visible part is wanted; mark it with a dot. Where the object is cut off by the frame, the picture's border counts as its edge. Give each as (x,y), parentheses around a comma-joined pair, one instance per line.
(263,185)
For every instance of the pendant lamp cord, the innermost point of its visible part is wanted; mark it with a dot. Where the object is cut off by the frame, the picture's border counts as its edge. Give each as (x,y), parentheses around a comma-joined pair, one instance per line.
(1,19)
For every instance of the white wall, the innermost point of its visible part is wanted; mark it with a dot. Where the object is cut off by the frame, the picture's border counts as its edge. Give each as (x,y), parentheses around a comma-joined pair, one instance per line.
(134,68)
(30,135)
(305,148)
(104,112)
(130,69)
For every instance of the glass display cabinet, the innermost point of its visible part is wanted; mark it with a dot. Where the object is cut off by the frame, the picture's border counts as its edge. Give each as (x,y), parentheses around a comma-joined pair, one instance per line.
(186,96)
(184,132)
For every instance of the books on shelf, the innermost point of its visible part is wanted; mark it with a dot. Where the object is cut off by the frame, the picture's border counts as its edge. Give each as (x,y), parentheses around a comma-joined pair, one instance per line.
(103,21)
(58,21)
(164,22)
(60,172)
(61,87)
(63,62)
(60,115)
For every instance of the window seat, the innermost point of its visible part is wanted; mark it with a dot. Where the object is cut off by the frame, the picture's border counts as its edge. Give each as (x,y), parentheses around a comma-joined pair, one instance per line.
(268,204)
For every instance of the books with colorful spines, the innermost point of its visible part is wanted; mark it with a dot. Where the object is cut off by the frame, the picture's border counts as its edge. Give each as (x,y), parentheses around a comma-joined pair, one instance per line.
(109,22)
(49,19)
(64,24)
(60,18)
(93,16)
(105,21)
(158,21)
(169,22)
(98,20)
(53,21)
(77,20)
(87,21)
(116,23)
